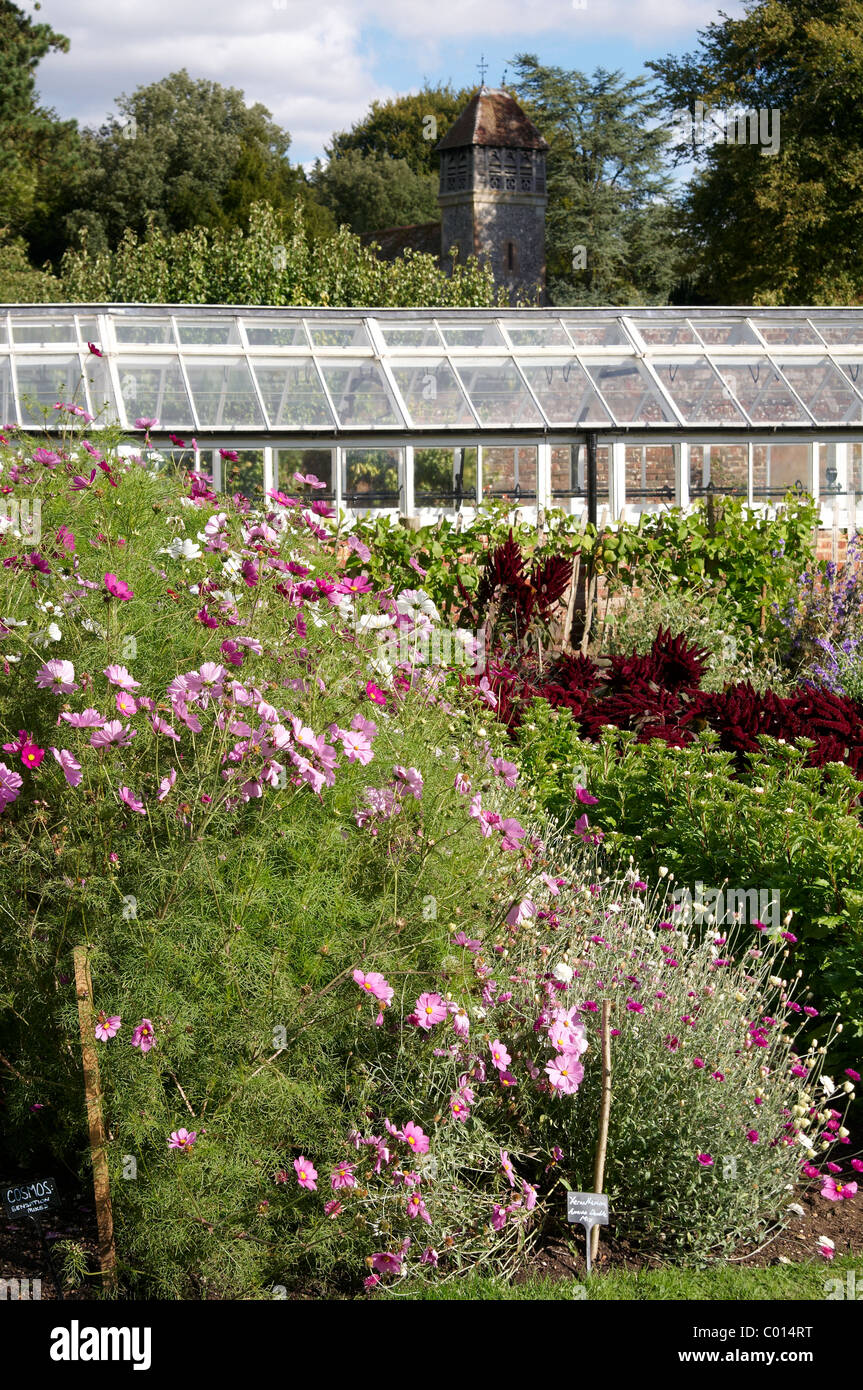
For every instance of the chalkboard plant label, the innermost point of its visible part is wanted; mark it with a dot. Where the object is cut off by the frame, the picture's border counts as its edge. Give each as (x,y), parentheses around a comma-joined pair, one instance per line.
(587,1209)
(30,1198)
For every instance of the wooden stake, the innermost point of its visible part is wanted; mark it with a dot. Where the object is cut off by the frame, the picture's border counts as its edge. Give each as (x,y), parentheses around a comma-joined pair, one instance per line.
(604,1111)
(95,1118)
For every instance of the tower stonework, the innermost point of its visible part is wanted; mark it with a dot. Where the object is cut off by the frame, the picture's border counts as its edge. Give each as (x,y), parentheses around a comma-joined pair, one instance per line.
(493,193)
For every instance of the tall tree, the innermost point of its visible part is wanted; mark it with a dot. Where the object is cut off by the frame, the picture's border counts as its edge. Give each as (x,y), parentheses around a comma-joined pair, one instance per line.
(610,223)
(37,152)
(371,191)
(183,153)
(776,220)
(405,127)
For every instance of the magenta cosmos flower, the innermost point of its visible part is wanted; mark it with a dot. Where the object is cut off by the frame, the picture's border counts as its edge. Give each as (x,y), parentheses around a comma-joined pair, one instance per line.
(375,984)
(387,1262)
(343,1176)
(143,1036)
(375,693)
(705,1160)
(32,755)
(430,1009)
(838,1191)
(118,588)
(182,1139)
(107,1027)
(415,1138)
(306,1173)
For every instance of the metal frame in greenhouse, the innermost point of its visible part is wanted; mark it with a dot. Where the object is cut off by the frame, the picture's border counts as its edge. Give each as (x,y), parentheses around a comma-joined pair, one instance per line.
(421,412)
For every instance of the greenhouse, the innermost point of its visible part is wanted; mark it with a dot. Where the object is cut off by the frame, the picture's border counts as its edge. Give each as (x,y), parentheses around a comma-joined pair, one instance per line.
(422,412)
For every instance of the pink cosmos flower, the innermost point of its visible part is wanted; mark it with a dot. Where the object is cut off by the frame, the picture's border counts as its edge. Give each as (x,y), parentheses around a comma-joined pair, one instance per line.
(146,422)
(499,1215)
(125,703)
(387,1262)
(333,1208)
(529,1195)
(460,1020)
(160,726)
(10,786)
(499,1055)
(459,1108)
(507,1167)
(462,784)
(118,588)
(375,984)
(412,778)
(166,784)
(565,1073)
(143,1036)
(429,1257)
(113,732)
(506,1079)
(417,1208)
(430,1009)
(79,482)
(107,1027)
(134,803)
(58,676)
(46,457)
(306,1173)
(71,769)
(416,1138)
(838,1191)
(87,719)
(705,1160)
(182,1139)
(826,1247)
(375,693)
(343,1176)
(508,771)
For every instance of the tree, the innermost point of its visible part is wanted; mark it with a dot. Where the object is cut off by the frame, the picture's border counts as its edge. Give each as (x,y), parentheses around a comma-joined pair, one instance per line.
(275,262)
(774,226)
(610,227)
(184,153)
(371,191)
(19,282)
(407,127)
(37,152)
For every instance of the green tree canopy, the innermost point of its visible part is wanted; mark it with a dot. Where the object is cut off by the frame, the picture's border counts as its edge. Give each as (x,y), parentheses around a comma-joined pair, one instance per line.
(610,224)
(779,227)
(371,191)
(407,127)
(184,153)
(275,262)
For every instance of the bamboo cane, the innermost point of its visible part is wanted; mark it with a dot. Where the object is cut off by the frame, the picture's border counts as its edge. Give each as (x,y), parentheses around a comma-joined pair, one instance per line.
(95,1119)
(604,1111)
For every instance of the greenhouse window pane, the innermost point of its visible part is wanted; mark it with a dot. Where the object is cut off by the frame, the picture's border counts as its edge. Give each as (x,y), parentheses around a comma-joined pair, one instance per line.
(208,332)
(626,388)
(318,462)
(724,332)
(696,390)
(268,335)
(292,392)
(565,392)
(143,331)
(471,335)
(350,334)
(432,393)
(89,331)
(8,414)
(360,394)
(545,334)
(154,387)
(823,389)
(497,393)
(370,478)
(41,332)
(597,333)
(854,371)
(761,392)
(838,331)
(4,334)
(666,334)
(223,392)
(409,335)
(101,390)
(793,333)
(46,380)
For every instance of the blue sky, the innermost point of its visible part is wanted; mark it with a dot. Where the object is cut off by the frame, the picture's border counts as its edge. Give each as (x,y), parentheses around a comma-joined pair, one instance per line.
(317,67)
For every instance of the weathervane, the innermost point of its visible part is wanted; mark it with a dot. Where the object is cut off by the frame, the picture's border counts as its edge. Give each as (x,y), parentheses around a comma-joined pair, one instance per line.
(483,69)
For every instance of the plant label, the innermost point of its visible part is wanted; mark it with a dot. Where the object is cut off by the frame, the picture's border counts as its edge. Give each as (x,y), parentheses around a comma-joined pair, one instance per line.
(30,1198)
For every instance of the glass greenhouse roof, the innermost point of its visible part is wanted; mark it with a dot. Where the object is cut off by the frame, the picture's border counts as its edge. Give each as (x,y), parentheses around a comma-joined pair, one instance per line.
(327,373)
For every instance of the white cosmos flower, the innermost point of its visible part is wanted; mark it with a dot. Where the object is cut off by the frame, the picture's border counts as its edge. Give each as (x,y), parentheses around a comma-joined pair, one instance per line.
(182,549)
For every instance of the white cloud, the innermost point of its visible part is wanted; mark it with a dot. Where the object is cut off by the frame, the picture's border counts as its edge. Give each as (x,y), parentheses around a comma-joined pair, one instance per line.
(316,67)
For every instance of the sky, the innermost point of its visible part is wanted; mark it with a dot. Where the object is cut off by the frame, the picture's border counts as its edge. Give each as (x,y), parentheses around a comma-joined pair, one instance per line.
(318,66)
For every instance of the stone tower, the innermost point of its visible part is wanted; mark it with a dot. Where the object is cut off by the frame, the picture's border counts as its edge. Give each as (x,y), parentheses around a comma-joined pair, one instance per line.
(492,192)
